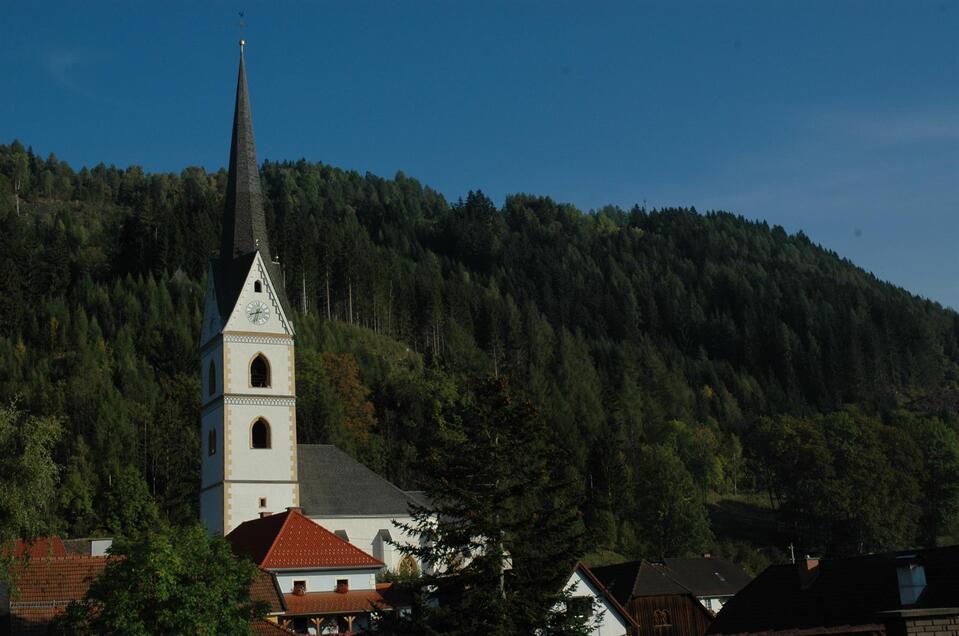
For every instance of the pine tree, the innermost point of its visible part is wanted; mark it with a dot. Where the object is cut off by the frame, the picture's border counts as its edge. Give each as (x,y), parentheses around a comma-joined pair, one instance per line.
(502,535)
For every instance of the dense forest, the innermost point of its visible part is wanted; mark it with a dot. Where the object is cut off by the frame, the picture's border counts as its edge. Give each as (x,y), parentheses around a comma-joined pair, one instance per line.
(714,383)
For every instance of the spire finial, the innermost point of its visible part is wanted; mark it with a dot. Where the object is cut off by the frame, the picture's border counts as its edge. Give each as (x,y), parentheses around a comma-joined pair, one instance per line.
(242,25)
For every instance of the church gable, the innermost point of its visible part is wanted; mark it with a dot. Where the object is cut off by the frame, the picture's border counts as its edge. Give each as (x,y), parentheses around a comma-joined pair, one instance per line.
(258,306)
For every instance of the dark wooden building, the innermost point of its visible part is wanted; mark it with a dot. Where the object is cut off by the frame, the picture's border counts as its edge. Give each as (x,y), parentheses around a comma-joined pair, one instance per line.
(899,593)
(669,597)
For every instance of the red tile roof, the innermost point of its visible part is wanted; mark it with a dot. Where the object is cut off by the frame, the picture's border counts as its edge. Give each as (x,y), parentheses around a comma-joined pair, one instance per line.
(265,588)
(313,603)
(45,586)
(39,547)
(290,540)
(266,628)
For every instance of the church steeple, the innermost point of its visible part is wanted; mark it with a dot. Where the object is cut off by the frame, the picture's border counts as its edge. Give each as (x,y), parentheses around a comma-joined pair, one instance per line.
(244,222)
(248,402)
(244,218)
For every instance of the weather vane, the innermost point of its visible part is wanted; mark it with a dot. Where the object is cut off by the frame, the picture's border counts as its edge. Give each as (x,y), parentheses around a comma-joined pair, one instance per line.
(242,25)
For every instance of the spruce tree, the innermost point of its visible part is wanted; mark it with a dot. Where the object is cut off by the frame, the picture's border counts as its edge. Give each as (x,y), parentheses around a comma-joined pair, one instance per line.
(502,534)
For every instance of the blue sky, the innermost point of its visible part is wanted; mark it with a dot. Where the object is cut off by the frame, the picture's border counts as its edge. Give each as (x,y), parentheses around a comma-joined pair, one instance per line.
(838,118)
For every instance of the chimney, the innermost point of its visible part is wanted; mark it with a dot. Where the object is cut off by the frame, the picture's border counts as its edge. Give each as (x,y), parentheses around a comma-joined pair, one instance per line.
(808,572)
(265,514)
(294,509)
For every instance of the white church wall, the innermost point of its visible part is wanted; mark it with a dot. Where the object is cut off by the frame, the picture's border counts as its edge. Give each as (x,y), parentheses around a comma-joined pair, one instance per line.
(211,509)
(244,500)
(363,531)
(325,580)
(278,353)
(276,463)
(212,465)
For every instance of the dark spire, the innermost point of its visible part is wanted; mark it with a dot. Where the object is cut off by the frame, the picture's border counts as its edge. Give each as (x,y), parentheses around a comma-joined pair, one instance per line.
(244,223)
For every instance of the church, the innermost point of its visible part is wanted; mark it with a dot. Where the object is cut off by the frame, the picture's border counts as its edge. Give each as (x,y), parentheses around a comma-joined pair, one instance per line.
(252,466)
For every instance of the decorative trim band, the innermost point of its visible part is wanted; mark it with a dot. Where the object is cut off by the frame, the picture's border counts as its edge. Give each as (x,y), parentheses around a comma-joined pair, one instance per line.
(256,400)
(260,340)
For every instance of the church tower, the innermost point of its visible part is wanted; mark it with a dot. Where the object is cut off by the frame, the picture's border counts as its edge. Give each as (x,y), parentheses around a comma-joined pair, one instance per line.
(248,403)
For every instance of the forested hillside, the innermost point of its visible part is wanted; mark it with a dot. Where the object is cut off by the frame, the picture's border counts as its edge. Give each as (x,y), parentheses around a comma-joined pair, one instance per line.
(693,367)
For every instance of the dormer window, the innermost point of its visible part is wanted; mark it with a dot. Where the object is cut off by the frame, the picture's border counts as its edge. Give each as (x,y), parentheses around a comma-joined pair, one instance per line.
(258,287)
(912,581)
(260,372)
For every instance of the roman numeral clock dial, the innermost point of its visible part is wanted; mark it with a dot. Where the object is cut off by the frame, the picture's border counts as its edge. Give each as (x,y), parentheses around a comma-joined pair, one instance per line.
(257,312)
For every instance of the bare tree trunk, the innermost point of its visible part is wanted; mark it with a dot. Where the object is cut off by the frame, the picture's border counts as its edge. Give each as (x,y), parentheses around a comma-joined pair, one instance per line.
(349,287)
(329,315)
(389,312)
(306,308)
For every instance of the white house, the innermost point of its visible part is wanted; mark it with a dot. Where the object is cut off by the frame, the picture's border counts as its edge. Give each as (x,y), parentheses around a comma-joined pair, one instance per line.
(328,585)
(609,617)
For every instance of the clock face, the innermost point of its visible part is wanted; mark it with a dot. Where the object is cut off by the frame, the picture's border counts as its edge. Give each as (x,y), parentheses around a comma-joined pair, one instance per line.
(257,312)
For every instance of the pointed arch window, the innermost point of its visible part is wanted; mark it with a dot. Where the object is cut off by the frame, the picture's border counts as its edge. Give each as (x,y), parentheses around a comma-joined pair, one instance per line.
(260,434)
(258,287)
(260,372)
(211,378)
(211,442)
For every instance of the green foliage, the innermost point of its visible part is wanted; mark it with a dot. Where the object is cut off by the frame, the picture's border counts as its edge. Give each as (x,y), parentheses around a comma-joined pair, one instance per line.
(671,517)
(629,330)
(849,483)
(164,582)
(129,508)
(501,538)
(28,473)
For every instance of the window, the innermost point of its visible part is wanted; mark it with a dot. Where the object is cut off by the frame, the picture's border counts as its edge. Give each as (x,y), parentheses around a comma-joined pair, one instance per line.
(661,618)
(342,586)
(912,581)
(260,434)
(258,287)
(299,587)
(211,442)
(211,378)
(262,502)
(408,566)
(260,372)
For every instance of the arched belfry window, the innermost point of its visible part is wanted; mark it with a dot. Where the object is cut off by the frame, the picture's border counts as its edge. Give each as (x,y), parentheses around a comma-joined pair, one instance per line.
(258,287)
(211,442)
(260,372)
(211,378)
(260,434)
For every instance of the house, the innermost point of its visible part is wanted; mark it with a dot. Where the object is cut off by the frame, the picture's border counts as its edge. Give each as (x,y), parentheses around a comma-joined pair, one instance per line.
(672,596)
(611,618)
(328,585)
(45,587)
(52,579)
(713,581)
(897,593)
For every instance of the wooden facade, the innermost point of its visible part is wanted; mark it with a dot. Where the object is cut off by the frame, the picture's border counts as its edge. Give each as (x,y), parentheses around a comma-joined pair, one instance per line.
(669,615)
